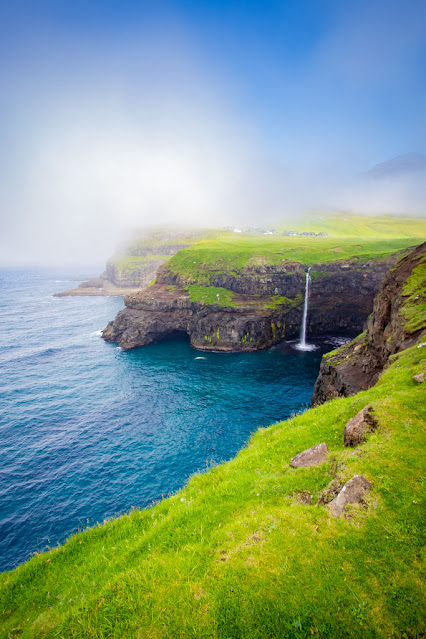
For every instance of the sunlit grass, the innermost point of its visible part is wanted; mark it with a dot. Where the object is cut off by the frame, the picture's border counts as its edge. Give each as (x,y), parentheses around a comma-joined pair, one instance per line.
(197,263)
(234,554)
(415,306)
(352,225)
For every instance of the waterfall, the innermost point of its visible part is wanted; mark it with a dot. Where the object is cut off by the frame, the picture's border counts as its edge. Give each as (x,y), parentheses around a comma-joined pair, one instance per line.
(302,343)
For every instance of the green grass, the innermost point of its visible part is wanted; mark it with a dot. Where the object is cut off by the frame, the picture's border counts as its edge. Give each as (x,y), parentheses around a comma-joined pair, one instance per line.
(235,555)
(350,236)
(211,295)
(225,297)
(414,309)
(352,225)
(196,263)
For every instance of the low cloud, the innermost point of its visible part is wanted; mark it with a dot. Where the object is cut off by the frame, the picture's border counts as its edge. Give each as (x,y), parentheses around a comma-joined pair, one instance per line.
(104,134)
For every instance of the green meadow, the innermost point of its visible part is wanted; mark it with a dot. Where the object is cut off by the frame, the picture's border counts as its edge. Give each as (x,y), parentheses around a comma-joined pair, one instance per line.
(352,237)
(349,236)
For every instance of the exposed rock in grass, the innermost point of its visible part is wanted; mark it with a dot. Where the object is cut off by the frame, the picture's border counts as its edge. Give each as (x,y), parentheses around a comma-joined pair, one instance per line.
(311,457)
(331,492)
(305,497)
(359,426)
(352,493)
(419,378)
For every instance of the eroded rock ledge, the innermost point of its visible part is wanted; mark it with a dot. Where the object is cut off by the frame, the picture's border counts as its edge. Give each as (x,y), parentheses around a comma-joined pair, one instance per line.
(357,365)
(266,307)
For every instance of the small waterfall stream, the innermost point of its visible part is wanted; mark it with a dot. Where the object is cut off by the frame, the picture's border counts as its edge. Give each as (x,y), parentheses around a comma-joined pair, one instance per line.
(302,345)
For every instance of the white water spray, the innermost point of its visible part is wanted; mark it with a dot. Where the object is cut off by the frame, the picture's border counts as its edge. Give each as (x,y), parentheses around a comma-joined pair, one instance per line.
(302,345)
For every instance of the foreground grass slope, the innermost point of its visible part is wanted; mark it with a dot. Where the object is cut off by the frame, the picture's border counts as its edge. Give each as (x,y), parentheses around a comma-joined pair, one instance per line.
(236,553)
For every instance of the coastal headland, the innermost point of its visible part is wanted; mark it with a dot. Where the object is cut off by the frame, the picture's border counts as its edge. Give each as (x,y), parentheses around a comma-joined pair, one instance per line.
(314,529)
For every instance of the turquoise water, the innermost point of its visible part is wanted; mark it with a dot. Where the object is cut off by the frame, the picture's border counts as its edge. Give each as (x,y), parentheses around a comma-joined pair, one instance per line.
(87,430)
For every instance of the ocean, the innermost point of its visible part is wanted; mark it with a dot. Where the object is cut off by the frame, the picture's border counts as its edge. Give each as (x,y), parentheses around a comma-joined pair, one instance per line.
(88,431)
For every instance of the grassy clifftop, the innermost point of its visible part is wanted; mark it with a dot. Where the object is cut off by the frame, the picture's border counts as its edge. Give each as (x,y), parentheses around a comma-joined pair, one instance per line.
(349,236)
(245,550)
(231,255)
(351,225)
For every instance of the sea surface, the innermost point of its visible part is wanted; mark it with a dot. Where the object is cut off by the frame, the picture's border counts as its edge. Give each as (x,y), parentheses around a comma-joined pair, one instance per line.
(88,430)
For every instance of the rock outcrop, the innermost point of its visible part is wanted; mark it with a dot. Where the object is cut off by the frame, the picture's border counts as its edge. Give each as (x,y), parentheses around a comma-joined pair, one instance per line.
(357,366)
(310,457)
(352,493)
(359,426)
(266,306)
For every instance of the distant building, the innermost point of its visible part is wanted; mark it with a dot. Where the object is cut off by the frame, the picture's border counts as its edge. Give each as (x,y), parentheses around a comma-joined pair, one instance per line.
(237,231)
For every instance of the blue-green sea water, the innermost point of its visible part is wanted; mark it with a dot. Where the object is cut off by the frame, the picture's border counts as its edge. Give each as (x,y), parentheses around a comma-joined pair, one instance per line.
(88,430)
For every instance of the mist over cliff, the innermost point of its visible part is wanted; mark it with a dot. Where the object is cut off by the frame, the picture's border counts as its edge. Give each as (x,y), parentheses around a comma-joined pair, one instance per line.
(138,116)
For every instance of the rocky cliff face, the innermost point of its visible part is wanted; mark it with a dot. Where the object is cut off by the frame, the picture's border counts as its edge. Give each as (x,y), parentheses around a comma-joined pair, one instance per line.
(357,366)
(266,306)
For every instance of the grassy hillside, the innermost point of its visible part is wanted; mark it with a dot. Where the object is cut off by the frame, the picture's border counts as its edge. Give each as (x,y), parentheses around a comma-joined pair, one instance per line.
(230,255)
(350,225)
(415,305)
(238,553)
(349,236)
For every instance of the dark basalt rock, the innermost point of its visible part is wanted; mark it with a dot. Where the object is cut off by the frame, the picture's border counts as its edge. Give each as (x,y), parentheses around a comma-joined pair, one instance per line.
(341,297)
(357,366)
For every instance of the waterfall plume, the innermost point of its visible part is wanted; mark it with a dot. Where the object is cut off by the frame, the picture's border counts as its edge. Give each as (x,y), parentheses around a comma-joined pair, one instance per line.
(302,345)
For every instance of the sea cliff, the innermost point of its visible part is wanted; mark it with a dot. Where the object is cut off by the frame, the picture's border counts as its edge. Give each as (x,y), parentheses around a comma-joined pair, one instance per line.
(304,534)
(252,307)
(397,322)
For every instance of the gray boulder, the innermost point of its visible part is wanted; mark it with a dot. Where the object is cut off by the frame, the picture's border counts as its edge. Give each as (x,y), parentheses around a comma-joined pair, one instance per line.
(310,457)
(357,428)
(420,378)
(352,493)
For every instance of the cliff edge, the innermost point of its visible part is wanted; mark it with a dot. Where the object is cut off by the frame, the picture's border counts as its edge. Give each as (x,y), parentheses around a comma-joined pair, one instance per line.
(397,322)
(249,307)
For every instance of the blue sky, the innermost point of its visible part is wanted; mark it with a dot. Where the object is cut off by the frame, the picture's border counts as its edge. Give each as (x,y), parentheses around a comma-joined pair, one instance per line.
(220,105)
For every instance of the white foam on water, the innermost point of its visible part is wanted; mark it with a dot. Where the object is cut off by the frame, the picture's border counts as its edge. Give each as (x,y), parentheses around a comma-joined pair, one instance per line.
(305,347)
(96,334)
